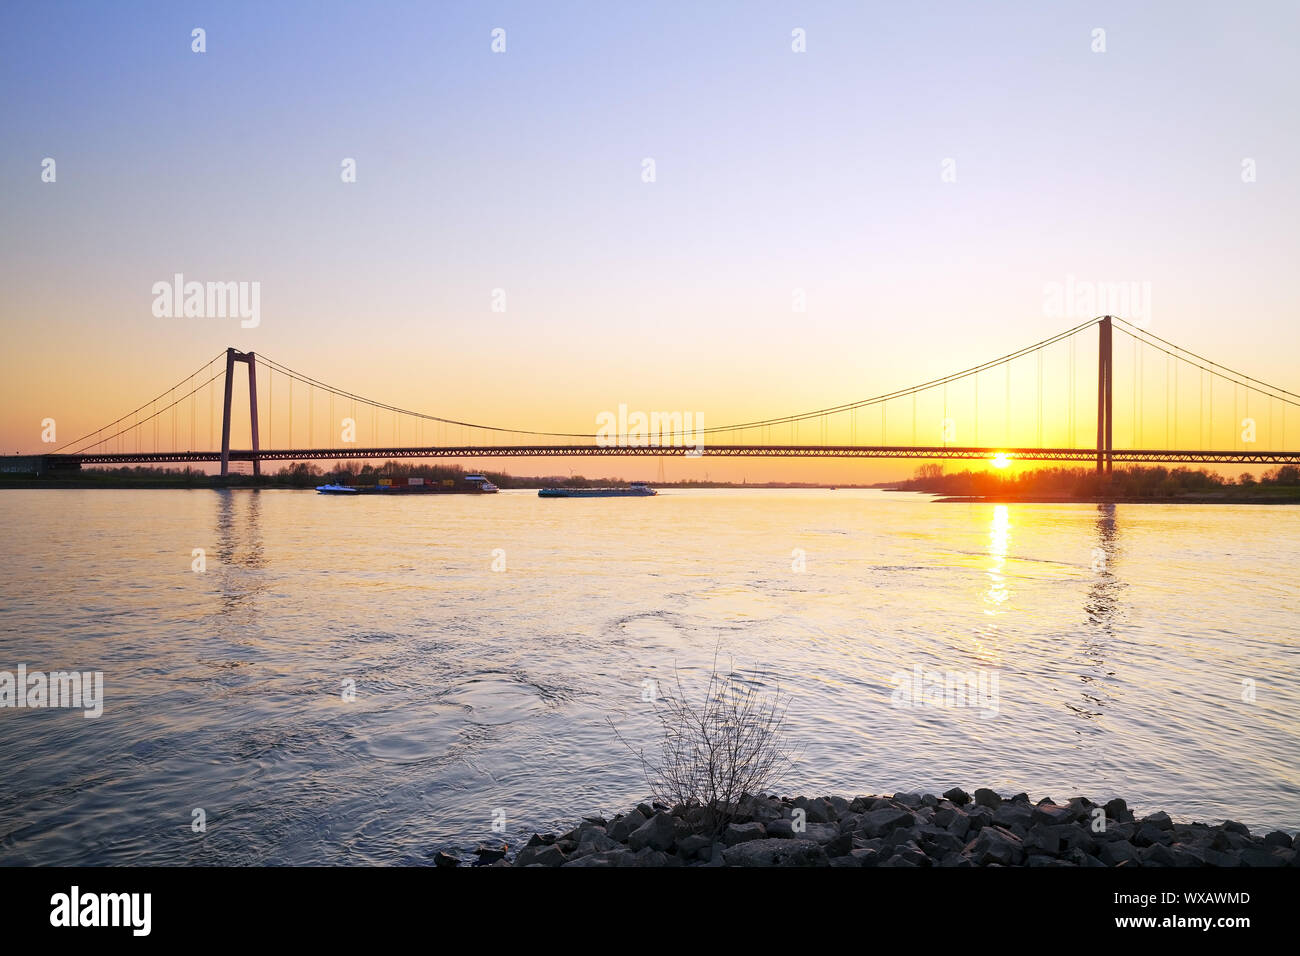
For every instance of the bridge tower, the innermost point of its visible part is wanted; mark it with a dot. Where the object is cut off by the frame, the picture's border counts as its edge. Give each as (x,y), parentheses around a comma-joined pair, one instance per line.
(233,356)
(1105,375)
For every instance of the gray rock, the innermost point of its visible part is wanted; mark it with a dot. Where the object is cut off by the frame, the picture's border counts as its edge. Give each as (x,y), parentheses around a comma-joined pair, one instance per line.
(995,845)
(1043,839)
(1076,836)
(1117,811)
(782,830)
(978,817)
(817,811)
(1157,854)
(936,842)
(657,833)
(488,855)
(1261,856)
(594,840)
(842,845)
(1051,815)
(958,796)
(621,828)
(1214,857)
(445,859)
(821,832)
(850,822)
(696,846)
(1277,838)
(1013,816)
(1232,826)
(1226,841)
(742,832)
(776,853)
(908,854)
(879,822)
(1148,833)
(987,798)
(1188,855)
(1117,852)
(913,801)
(1160,820)
(647,857)
(541,856)
(1118,831)
(605,860)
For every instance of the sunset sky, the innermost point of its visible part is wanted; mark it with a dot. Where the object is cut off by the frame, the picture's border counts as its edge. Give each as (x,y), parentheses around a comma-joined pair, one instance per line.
(775,171)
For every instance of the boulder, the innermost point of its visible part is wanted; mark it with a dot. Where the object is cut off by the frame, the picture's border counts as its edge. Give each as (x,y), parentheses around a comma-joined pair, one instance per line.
(1051,815)
(1013,816)
(594,840)
(948,817)
(657,833)
(1117,811)
(1261,856)
(1117,852)
(842,845)
(1277,838)
(995,845)
(879,822)
(908,854)
(445,859)
(782,830)
(621,828)
(742,832)
(987,798)
(1148,833)
(776,853)
(817,811)
(1157,854)
(1043,839)
(490,854)
(958,796)
(821,833)
(540,856)
(1160,820)
(696,846)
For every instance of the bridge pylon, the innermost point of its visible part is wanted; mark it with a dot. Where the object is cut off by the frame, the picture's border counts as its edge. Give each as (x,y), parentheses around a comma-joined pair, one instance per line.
(232,356)
(1105,380)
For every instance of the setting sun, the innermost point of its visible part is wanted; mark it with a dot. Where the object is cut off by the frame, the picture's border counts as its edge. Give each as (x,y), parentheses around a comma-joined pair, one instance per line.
(1000,460)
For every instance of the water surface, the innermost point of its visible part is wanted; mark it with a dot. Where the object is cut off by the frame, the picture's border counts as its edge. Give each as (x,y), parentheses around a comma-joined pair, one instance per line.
(1122,637)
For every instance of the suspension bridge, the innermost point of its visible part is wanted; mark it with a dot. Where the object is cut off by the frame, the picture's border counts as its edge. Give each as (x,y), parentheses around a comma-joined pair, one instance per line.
(1054,400)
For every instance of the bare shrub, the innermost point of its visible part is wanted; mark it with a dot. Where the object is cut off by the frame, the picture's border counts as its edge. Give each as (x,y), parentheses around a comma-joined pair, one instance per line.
(712,753)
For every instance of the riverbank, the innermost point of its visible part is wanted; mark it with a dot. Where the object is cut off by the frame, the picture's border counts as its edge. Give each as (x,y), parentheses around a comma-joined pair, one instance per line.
(1121,499)
(907,829)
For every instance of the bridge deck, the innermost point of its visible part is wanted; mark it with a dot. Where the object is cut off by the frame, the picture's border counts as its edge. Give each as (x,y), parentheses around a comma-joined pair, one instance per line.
(931,452)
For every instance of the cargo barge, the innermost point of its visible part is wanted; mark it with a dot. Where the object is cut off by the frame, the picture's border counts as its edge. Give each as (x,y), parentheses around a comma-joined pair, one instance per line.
(635,489)
(468,485)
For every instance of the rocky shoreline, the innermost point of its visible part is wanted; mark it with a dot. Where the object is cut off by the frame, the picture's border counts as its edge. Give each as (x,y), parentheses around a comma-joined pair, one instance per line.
(907,829)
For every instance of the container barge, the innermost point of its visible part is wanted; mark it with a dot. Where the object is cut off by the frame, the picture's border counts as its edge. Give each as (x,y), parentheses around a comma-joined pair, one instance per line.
(635,489)
(468,485)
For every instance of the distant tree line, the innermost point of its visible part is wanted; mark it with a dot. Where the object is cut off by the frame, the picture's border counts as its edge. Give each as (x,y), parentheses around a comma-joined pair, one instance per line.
(1133,482)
